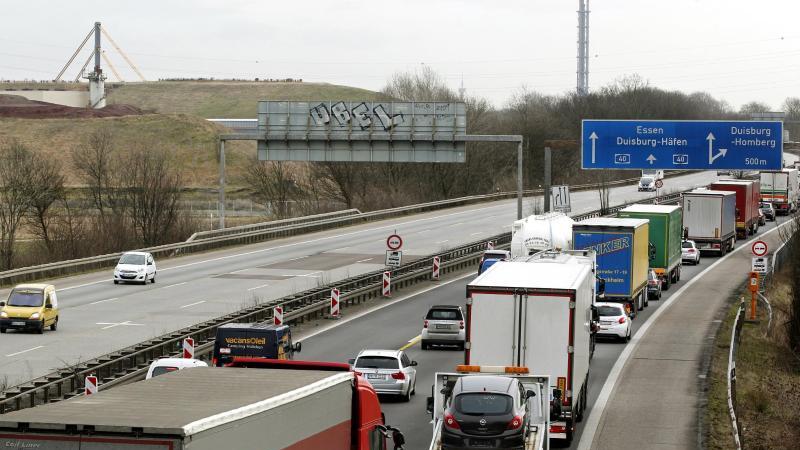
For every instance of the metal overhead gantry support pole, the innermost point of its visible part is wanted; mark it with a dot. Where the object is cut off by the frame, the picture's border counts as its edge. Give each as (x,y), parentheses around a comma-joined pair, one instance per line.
(245,136)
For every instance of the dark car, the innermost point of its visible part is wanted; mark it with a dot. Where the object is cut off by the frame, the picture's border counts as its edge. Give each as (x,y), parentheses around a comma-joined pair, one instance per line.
(486,412)
(255,340)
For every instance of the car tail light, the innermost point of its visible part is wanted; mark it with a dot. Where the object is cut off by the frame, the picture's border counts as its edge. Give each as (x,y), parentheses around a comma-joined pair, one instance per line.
(691,250)
(213,362)
(399,376)
(461,325)
(425,324)
(622,319)
(451,422)
(515,423)
(715,245)
(358,374)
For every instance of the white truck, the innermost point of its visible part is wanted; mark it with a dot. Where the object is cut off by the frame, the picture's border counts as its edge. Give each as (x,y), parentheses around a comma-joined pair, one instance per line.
(505,408)
(709,219)
(538,312)
(781,189)
(541,232)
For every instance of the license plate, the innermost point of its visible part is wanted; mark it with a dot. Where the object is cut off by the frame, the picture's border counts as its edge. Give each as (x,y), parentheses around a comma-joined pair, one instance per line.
(18,324)
(375,376)
(603,328)
(441,326)
(481,443)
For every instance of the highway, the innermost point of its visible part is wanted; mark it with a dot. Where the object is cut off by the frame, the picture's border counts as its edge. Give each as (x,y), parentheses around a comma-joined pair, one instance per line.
(97,317)
(397,326)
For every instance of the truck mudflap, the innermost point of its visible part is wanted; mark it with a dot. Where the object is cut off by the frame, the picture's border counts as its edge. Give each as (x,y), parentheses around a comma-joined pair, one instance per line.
(538,428)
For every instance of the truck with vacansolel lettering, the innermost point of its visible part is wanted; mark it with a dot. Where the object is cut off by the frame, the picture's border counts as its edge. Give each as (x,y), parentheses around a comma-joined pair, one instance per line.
(623,257)
(665,233)
(258,339)
(303,405)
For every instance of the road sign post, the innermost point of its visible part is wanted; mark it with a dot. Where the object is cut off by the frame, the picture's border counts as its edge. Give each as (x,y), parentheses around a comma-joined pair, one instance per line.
(394,258)
(90,385)
(490,245)
(387,284)
(335,303)
(436,267)
(277,315)
(698,145)
(188,348)
(754,293)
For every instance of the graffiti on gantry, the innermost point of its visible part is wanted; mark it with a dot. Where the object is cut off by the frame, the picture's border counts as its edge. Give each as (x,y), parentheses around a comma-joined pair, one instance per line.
(359,114)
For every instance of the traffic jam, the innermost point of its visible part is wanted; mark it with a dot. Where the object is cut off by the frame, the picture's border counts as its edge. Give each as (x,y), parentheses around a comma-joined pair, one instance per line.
(592,277)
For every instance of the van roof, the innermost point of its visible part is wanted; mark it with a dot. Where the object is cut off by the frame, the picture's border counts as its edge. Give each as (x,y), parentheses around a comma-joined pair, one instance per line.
(32,286)
(171,404)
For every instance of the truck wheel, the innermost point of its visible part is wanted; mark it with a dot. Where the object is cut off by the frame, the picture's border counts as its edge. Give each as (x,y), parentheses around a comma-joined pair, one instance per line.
(40,330)
(54,325)
(2,330)
(425,345)
(666,283)
(678,274)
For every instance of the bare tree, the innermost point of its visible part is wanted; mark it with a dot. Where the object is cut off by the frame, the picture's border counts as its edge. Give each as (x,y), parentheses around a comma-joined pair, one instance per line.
(274,184)
(16,171)
(151,186)
(94,161)
(754,107)
(47,186)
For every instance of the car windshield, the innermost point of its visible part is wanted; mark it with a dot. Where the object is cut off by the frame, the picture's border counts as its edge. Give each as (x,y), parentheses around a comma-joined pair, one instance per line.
(444,314)
(137,260)
(25,297)
(483,404)
(161,370)
(647,180)
(687,245)
(377,362)
(609,311)
(494,255)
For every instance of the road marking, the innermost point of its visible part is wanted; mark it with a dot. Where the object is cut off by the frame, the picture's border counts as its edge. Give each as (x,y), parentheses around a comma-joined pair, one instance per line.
(475,234)
(411,343)
(457,224)
(258,287)
(25,351)
(193,304)
(336,250)
(312,274)
(127,323)
(383,305)
(587,438)
(176,284)
(365,260)
(442,242)
(299,257)
(240,270)
(103,301)
(424,231)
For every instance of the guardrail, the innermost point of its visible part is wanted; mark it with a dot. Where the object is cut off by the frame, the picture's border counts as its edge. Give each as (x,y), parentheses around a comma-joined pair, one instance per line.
(736,334)
(256,234)
(271,225)
(122,365)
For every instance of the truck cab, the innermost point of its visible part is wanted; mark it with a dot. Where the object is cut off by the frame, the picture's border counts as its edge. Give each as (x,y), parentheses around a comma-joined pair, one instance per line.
(261,340)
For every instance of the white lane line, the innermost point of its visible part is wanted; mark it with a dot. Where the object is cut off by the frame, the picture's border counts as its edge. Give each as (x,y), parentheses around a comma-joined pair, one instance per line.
(299,257)
(457,224)
(312,274)
(336,250)
(475,234)
(103,301)
(240,270)
(193,304)
(442,242)
(258,287)
(384,305)
(173,285)
(365,260)
(424,231)
(127,323)
(25,351)
(611,381)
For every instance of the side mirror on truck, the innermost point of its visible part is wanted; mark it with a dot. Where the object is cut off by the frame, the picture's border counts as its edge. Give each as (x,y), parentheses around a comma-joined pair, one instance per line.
(298,346)
(601,287)
(529,394)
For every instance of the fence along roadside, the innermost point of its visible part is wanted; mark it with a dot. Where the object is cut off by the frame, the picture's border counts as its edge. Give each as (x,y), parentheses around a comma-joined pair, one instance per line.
(127,363)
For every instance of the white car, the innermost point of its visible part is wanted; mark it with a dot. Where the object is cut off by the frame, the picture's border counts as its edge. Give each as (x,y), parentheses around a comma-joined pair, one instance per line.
(138,267)
(388,371)
(166,365)
(443,325)
(690,252)
(613,321)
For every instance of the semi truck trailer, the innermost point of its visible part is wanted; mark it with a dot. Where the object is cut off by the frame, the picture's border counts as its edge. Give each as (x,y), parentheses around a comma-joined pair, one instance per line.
(780,188)
(709,219)
(622,248)
(666,228)
(313,406)
(541,232)
(538,312)
(747,200)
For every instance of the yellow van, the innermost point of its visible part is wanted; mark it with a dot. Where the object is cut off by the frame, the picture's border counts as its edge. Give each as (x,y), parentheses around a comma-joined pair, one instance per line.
(30,307)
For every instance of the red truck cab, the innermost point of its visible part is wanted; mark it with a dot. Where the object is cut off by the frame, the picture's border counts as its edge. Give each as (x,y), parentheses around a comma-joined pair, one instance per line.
(368,425)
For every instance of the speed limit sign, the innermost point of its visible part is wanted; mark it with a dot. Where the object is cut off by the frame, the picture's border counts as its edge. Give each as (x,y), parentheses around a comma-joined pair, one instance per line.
(394,242)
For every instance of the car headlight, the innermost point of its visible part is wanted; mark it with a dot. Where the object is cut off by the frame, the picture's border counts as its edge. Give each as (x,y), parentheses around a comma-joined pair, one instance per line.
(35,315)
(3,314)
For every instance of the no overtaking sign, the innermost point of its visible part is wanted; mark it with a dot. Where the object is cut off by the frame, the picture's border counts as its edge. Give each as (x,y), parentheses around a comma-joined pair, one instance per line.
(760,248)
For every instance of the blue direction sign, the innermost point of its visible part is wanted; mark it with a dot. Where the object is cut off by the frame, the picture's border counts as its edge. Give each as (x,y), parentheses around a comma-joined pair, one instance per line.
(698,145)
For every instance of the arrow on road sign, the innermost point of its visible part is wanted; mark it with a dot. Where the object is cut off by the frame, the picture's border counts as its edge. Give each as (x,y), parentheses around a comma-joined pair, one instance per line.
(651,158)
(593,137)
(711,156)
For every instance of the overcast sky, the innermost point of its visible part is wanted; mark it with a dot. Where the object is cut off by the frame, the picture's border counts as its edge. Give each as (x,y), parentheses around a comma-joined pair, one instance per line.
(736,50)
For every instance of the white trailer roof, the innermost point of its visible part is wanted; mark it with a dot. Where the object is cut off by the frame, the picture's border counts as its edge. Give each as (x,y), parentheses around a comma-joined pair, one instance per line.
(612,222)
(180,403)
(665,209)
(561,272)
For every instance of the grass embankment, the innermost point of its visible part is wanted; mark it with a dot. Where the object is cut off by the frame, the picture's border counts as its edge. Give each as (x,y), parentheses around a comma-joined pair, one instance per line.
(768,380)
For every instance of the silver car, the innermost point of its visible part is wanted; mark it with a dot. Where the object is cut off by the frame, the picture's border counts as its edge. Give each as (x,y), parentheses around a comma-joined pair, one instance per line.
(443,325)
(388,371)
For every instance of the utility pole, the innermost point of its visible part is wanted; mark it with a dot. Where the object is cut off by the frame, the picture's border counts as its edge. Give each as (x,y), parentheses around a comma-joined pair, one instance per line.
(548,170)
(583,48)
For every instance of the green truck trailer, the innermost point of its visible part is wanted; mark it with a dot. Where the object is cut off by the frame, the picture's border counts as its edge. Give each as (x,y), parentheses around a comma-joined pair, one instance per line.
(666,228)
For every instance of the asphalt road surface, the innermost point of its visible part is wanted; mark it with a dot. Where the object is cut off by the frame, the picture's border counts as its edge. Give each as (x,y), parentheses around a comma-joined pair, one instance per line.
(97,317)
